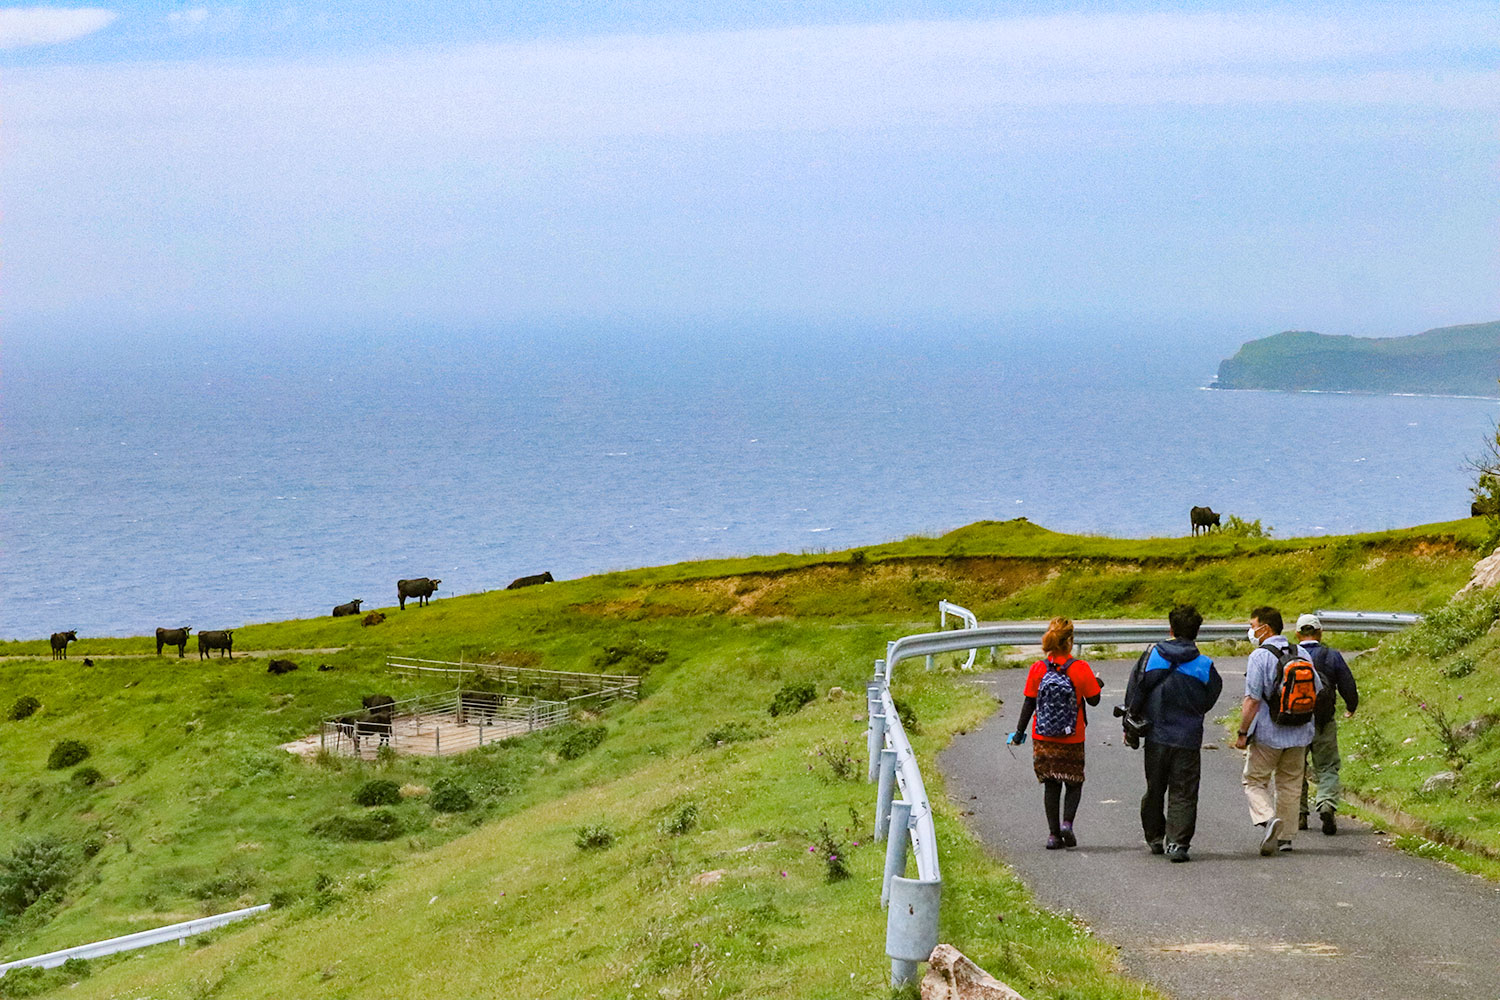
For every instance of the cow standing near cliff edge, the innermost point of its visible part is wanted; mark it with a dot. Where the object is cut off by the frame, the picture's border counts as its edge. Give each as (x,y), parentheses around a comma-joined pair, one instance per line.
(210,641)
(173,637)
(421,588)
(60,642)
(1205,518)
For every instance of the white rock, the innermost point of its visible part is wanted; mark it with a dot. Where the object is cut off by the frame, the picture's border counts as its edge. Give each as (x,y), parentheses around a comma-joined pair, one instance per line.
(951,976)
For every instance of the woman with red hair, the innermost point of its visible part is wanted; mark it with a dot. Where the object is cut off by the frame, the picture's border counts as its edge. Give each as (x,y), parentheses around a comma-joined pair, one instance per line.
(1056,689)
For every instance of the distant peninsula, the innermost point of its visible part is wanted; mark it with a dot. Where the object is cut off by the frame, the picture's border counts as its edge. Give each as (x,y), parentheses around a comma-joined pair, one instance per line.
(1451,360)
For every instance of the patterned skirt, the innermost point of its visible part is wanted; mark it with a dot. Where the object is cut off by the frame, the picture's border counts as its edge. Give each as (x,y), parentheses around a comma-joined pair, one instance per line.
(1057,761)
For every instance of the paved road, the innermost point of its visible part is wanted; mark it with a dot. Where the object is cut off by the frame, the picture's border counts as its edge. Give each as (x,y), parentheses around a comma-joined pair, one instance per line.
(1342,916)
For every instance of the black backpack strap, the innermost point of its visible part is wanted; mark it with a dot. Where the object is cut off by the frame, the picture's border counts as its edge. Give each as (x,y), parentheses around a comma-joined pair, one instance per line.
(1149,683)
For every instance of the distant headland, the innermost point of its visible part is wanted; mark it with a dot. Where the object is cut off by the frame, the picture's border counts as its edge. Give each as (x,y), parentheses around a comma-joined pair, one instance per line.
(1451,360)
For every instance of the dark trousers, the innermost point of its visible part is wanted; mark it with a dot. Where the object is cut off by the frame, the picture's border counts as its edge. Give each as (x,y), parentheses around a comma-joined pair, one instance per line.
(1172,775)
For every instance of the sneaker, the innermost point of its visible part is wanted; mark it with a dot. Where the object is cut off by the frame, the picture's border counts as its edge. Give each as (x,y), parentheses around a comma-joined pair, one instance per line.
(1330,825)
(1053,842)
(1177,853)
(1268,842)
(1156,847)
(1283,845)
(1067,836)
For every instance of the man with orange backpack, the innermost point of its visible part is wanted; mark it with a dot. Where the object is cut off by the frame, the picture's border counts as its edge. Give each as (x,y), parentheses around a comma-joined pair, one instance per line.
(1276,726)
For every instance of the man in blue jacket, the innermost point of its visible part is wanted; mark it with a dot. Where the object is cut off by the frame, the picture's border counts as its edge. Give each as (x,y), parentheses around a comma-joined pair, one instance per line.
(1173,686)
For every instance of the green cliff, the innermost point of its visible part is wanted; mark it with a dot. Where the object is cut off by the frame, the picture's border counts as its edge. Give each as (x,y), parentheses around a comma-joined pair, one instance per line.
(1453,360)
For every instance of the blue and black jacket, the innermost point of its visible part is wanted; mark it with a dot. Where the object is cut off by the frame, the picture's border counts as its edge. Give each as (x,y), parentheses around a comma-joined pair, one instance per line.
(1176,704)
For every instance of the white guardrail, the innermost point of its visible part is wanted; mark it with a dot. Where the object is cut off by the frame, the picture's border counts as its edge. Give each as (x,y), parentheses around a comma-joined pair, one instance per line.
(907,823)
(140,939)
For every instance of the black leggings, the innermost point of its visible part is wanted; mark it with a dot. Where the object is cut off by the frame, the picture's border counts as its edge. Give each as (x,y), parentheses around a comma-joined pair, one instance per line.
(1052,791)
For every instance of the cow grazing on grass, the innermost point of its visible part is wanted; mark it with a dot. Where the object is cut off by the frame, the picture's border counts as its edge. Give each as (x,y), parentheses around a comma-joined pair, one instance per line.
(210,641)
(421,588)
(1205,518)
(279,667)
(172,637)
(352,608)
(373,618)
(60,642)
(529,581)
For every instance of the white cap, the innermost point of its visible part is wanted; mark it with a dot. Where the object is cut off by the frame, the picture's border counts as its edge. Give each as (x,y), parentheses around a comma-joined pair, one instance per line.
(1309,623)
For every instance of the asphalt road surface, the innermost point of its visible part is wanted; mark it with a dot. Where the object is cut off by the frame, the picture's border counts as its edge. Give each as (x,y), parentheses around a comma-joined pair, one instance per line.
(1341,916)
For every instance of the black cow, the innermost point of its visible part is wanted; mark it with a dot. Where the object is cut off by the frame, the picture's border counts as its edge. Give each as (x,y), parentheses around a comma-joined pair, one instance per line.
(210,641)
(352,608)
(421,588)
(172,637)
(530,581)
(377,719)
(60,642)
(1205,518)
(279,667)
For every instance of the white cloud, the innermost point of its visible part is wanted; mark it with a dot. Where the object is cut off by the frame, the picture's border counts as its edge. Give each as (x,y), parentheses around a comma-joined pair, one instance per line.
(24,26)
(188,18)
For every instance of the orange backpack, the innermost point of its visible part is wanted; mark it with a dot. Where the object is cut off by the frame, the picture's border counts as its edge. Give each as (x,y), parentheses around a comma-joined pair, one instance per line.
(1294,694)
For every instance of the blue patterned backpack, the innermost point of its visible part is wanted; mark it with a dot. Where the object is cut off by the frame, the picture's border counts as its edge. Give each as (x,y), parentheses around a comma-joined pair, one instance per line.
(1056,702)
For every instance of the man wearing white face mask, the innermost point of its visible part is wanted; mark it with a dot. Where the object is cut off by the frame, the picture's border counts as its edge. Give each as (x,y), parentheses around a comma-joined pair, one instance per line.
(1276,740)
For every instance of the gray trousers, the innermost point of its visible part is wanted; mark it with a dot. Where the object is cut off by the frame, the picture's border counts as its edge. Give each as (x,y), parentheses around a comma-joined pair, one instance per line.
(1323,770)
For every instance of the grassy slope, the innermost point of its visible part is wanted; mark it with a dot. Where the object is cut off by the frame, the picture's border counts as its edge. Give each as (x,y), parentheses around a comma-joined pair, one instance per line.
(201,813)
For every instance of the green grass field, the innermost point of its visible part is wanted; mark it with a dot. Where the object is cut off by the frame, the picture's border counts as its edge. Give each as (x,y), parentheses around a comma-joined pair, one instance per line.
(191,808)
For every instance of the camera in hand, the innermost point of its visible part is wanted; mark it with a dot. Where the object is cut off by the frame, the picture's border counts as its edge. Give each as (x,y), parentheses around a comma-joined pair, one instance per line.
(1136,726)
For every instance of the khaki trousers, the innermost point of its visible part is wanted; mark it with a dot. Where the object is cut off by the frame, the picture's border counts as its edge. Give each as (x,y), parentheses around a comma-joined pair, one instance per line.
(1273,785)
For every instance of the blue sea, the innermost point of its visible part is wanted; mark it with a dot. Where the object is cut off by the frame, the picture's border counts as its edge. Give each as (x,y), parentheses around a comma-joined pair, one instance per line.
(214,486)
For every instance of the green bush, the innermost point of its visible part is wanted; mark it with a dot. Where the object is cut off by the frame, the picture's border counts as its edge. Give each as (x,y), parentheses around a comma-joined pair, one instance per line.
(1450,628)
(731,732)
(791,697)
(35,868)
(84,777)
(1238,527)
(594,837)
(630,657)
(23,708)
(681,821)
(66,753)
(379,824)
(908,717)
(380,792)
(580,741)
(450,797)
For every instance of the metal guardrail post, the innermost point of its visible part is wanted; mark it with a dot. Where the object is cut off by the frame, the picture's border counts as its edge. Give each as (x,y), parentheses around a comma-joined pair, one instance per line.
(877,737)
(911,926)
(895,848)
(886,791)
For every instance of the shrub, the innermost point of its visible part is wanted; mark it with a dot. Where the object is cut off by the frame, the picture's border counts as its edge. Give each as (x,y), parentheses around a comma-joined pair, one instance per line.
(23,708)
(841,763)
(66,753)
(228,885)
(681,821)
(1462,666)
(86,776)
(790,699)
(580,741)
(1238,527)
(730,732)
(907,716)
(378,824)
(594,837)
(632,656)
(33,869)
(450,797)
(380,792)
(92,846)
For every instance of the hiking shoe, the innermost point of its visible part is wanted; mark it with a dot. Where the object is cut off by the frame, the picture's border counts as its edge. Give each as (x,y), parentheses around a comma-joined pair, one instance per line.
(1156,847)
(1268,842)
(1177,853)
(1053,842)
(1283,845)
(1067,836)
(1330,825)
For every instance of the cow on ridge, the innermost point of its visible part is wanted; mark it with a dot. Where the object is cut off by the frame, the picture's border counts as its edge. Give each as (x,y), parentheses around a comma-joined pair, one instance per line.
(210,641)
(172,637)
(60,642)
(1205,518)
(530,581)
(352,608)
(421,588)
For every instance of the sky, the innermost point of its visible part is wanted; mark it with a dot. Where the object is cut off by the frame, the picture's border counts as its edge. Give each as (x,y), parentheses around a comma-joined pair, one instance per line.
(226,171)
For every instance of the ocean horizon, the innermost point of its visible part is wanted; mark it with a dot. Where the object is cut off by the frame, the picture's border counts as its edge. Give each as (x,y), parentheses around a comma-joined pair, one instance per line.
(216,491)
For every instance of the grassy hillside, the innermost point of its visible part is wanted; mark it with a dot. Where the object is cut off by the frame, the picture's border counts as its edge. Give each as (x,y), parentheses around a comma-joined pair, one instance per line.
(190,808)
